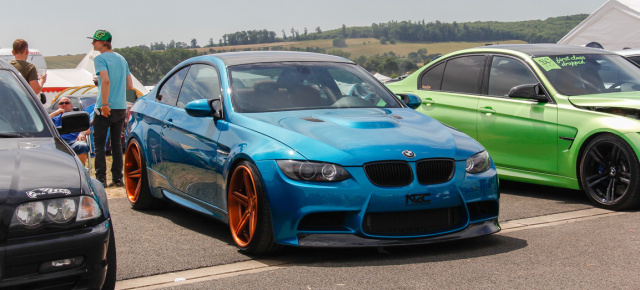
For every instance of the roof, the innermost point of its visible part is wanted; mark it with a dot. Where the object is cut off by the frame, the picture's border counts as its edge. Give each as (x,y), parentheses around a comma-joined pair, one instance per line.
(547,49)
(247,57)
(613,25)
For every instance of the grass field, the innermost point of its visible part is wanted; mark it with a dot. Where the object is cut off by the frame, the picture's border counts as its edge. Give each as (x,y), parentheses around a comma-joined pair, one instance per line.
(355,46)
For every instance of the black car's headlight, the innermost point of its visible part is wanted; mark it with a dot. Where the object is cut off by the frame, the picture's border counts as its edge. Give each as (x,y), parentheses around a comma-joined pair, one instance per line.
(56,212)
(313,171)
(479,162)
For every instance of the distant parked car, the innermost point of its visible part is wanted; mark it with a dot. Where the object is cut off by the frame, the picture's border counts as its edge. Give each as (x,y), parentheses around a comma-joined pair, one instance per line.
(632,54)
(57,231)
(550,114)
(305,149)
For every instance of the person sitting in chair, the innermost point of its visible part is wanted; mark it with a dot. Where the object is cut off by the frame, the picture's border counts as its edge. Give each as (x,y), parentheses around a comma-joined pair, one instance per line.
(77,141)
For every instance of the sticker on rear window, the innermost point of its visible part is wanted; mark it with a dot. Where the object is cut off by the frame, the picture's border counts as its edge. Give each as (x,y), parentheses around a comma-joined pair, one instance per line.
(547,63)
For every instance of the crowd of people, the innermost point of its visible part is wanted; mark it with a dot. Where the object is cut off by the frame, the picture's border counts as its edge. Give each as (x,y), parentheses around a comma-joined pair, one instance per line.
(109,113)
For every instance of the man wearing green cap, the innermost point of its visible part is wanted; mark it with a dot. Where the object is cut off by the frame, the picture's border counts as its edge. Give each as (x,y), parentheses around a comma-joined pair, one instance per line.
(114,79)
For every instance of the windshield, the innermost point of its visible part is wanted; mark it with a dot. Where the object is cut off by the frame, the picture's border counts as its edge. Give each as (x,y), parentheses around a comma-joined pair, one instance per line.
(18,115)
(590,74)
(302,86)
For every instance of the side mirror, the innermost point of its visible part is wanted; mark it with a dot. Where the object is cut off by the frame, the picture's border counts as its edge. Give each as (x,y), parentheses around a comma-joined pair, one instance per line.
(411,100)
(43,98)
(204,108)
(73,122)
(529,91)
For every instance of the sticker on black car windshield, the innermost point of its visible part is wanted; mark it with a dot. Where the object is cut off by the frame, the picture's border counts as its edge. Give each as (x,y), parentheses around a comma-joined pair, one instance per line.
(46,191)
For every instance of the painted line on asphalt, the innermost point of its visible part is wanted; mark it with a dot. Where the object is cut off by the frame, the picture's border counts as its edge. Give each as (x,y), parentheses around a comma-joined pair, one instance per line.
(199,275)
(256,266)
(556,219)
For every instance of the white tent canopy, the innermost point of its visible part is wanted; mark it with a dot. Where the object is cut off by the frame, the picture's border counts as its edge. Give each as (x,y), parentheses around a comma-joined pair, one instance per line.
(614,25)
(381,77)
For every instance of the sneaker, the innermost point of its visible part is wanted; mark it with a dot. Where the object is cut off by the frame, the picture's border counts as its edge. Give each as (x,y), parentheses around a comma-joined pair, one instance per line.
(104,183)
(116,183)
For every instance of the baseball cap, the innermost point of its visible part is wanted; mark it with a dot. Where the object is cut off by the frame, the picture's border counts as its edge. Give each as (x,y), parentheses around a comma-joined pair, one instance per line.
(102,35)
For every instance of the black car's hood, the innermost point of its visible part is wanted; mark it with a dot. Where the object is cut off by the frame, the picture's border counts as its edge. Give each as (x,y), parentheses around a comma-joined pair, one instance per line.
(36,168)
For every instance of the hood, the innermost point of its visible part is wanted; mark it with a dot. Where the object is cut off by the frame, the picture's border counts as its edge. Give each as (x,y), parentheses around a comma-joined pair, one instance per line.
(352,137)
(618,100)
(36,168)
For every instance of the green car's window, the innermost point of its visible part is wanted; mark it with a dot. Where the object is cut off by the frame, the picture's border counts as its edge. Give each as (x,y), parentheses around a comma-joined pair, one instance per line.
(432,79)
(464,74)
(306,85)
(590,74)
(201,82)
(507,73)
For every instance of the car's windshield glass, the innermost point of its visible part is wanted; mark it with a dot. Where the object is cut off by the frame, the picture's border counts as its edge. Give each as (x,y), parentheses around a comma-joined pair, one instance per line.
(576,74)
(302,86)
(19,116)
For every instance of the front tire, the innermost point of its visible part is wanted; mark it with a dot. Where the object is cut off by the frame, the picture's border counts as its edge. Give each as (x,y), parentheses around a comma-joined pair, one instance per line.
(249,216)
(610,173)
(136,180)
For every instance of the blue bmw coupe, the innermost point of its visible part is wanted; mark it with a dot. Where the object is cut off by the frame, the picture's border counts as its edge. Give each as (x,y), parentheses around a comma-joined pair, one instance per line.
(303,149)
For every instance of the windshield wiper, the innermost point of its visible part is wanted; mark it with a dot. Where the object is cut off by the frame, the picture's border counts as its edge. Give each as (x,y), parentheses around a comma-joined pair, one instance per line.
(10,135)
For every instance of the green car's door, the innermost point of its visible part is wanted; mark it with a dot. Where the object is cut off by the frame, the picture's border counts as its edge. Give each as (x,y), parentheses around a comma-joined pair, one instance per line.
(450,91)
(519,134)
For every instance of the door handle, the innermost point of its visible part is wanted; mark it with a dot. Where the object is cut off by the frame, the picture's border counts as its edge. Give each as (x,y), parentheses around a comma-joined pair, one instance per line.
(487,111)
(169,123)
(428,102)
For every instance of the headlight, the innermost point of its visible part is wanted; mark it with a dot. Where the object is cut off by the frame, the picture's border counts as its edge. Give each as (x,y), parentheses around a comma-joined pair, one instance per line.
(313,171)
(55,211)
(479,162)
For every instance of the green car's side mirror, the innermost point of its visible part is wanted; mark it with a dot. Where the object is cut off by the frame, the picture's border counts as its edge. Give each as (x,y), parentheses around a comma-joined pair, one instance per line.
(411,100)
(529,91)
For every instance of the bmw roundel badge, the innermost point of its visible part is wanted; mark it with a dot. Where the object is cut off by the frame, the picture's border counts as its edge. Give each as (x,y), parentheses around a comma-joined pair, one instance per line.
(408,153)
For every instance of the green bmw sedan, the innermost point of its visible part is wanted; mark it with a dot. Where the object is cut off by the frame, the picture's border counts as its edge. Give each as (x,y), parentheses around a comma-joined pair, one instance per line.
(549,114)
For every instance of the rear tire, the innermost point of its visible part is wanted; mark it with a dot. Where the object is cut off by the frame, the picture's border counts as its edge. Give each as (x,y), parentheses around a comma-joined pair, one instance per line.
(136,180)
(610,173)
(249,214)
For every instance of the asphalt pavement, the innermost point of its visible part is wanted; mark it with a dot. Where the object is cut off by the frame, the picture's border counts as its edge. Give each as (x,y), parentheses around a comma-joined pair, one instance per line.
(584,253)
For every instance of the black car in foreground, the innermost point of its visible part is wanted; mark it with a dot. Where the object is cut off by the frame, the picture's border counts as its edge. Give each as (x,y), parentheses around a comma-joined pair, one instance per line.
(55,227)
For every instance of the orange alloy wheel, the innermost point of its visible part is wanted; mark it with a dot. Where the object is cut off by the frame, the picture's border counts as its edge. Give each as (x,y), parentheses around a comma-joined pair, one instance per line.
(243,206)
(133,172)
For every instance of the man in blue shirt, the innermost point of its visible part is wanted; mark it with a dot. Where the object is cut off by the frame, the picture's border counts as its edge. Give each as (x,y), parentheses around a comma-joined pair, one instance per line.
(114,79)
(77,141)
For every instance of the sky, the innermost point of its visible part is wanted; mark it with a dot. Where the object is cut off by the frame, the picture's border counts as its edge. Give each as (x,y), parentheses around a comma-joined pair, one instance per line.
(61,27)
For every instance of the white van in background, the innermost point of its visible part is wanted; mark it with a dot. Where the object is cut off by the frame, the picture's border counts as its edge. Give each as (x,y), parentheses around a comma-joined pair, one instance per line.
(34,57)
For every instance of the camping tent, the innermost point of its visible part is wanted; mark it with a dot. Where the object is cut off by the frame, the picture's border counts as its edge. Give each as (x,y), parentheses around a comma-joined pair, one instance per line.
(381,77)
(614,25)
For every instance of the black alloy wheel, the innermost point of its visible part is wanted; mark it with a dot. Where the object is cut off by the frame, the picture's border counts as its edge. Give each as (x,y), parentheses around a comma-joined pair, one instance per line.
(609,173)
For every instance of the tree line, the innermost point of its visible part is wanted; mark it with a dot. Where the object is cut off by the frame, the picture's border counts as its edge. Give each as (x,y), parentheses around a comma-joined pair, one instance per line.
(150,63)
(533,31)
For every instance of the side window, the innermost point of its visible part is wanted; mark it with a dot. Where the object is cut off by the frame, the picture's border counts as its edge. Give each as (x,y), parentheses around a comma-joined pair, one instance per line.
(507,73)
(432,79)
(171,88)
(201,83)
(464,74)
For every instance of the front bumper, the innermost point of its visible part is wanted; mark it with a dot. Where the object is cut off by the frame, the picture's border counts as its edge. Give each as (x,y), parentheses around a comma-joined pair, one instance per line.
(353,241)
(355,212)
(21,260)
